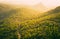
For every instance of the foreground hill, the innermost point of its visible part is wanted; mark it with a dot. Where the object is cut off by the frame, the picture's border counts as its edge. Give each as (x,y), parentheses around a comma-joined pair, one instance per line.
(46,27)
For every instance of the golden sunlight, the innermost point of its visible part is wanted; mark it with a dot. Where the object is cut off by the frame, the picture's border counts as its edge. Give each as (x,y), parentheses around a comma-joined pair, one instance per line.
(47,3)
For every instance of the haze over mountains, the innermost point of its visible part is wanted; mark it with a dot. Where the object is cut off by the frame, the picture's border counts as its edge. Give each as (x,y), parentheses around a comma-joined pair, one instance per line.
(39,7)
(29,22)
(22,12)
(44,4)
(42,8)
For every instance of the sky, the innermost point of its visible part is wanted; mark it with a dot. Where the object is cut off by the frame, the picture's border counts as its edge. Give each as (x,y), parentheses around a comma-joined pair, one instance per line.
(47,3)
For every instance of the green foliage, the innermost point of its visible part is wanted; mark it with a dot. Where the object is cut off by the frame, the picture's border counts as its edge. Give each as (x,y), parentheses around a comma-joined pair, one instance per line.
(8,30)
(21,24)
(46,27)
(42,30)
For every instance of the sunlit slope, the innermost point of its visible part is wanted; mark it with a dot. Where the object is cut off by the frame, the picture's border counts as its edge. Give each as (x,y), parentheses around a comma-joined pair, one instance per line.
(23,14)
(46,27)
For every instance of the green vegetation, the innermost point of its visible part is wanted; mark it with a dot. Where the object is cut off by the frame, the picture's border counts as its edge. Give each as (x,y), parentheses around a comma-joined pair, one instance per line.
(43,28)
(23,23)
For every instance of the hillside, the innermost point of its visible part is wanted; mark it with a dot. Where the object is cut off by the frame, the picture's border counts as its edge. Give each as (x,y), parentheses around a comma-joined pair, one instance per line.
(23,23)
(25,14)
(46,27)
(56,10)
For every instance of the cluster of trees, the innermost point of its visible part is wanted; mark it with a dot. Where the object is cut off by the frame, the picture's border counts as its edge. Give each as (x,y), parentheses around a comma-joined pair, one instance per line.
(45,29)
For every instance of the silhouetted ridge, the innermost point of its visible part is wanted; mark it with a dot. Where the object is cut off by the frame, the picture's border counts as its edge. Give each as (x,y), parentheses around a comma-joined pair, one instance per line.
(56,10)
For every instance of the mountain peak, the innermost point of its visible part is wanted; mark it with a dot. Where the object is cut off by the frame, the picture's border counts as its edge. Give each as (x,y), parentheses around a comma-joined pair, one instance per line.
(40,7)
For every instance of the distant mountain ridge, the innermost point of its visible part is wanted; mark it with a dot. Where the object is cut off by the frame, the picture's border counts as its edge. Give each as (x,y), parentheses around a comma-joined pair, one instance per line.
(40,7)
(55,10)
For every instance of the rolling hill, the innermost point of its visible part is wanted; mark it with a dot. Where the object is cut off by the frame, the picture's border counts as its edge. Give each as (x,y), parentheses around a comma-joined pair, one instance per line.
(46,27)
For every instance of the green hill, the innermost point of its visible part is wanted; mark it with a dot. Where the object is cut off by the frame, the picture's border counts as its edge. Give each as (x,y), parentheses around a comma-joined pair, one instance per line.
(10,18)
(23,23)
(46,27)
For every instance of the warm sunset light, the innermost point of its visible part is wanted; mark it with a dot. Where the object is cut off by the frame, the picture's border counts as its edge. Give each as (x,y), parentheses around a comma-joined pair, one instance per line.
(47,3)
(29,19)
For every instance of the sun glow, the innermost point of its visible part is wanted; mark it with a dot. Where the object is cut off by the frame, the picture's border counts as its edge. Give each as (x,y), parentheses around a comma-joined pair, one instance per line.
(47,3)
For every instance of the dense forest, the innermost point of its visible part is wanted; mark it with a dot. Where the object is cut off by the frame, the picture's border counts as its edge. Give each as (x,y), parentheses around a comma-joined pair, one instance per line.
(23,23)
